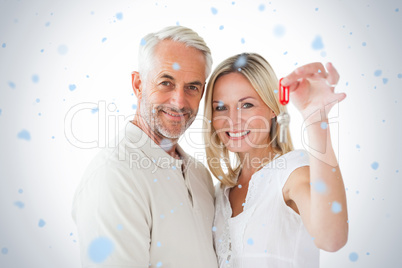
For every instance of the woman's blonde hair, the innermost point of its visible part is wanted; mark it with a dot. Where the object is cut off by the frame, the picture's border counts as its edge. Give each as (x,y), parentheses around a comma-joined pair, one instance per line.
(262,77)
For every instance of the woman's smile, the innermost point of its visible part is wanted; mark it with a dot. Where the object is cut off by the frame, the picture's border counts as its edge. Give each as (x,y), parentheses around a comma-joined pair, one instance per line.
(237,135)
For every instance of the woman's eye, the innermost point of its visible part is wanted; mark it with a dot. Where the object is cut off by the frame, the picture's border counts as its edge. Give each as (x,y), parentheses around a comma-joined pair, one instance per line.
(247,105)
(220,108)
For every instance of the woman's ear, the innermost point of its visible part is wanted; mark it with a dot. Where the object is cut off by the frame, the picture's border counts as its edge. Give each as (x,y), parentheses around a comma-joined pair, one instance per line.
(136,84)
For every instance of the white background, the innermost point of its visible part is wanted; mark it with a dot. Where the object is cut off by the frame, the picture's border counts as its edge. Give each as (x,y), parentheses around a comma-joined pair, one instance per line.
(46,46)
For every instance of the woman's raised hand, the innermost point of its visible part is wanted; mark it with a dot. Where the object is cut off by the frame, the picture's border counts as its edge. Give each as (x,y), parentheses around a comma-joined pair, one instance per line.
(312,88)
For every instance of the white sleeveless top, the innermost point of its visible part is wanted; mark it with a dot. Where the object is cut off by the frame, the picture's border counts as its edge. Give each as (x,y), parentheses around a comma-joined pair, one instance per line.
(267,233)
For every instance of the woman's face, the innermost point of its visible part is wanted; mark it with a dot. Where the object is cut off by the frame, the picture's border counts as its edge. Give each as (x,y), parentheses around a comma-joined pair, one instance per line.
(240,117)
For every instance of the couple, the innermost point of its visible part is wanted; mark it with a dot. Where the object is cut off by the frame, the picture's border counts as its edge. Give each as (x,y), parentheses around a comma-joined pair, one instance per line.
(146,203)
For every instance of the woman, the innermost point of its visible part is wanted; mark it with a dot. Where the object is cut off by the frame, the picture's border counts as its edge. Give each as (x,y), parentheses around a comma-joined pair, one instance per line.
(275,206)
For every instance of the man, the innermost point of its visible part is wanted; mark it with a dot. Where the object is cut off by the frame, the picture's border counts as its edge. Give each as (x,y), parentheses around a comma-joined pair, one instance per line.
(147,203)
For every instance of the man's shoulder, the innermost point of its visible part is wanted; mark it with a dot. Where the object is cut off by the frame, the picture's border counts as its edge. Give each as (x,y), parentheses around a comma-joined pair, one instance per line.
(112,157)
(198,166)
(201,174)
(113,166)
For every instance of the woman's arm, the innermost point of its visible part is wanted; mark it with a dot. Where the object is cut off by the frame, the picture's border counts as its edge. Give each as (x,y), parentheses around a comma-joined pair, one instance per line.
(318,191)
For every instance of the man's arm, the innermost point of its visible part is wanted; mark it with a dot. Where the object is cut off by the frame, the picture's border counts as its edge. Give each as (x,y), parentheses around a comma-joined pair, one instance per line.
(113,220)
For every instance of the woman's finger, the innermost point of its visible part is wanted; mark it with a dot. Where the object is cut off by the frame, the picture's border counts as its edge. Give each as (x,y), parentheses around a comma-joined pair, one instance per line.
(311,70)
(301,83)
(340,96)
(333,75)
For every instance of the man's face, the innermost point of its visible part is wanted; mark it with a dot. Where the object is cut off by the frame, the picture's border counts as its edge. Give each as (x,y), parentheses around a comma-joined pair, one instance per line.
(173,89)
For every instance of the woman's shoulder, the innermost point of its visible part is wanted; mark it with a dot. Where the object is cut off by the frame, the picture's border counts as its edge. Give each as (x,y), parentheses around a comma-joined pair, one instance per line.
(290,162)
(296,154)
(296,158)
(218,189)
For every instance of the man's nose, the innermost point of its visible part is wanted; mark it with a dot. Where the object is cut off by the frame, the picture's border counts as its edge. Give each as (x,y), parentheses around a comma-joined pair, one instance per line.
(178,98)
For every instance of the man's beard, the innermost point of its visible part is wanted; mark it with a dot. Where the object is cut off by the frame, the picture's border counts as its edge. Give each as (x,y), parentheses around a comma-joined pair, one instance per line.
(151,114)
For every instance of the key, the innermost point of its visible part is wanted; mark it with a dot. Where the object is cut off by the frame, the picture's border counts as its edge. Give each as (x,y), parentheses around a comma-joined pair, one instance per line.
(283,121)
(283,93)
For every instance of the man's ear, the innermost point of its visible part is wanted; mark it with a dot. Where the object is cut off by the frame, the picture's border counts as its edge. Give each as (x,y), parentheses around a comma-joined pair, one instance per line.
(136,84)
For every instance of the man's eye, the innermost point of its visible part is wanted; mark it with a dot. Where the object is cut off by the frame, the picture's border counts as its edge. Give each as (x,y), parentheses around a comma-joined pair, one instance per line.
(166,83)
(193,88)
(247,105)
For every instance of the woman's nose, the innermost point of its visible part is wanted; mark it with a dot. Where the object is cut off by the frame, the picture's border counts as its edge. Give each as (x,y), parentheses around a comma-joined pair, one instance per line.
(235,116)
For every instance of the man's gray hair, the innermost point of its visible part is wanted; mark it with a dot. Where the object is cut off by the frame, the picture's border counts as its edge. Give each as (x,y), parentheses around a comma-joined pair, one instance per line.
(175,33)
